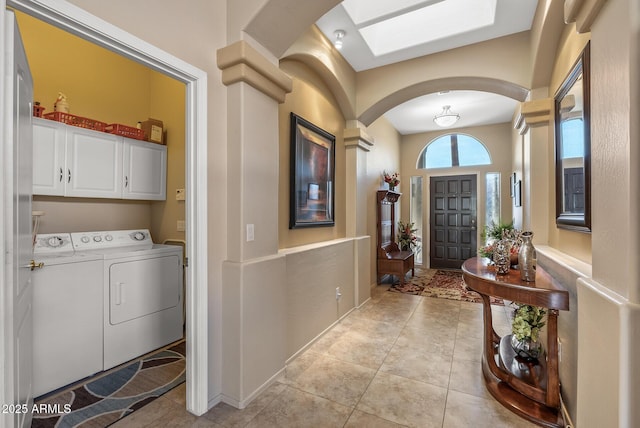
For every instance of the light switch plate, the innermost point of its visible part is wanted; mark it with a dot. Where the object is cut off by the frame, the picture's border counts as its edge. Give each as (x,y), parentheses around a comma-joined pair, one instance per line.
(179,194)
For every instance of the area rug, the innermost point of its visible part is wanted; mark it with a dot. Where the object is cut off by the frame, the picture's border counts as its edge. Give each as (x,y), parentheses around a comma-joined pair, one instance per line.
(442,284)
(103,401)
(416,284)
(448,284)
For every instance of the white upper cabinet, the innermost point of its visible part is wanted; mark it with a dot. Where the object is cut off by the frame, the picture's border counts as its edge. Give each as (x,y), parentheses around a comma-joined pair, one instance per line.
(49,169)
(94,164)
(145,170)
(72,161)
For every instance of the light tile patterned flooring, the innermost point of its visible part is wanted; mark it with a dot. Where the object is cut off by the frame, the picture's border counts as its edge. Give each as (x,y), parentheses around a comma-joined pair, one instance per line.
(399,360)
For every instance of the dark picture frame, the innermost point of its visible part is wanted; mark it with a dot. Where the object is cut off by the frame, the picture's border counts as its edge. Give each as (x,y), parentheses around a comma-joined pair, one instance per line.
(312,175)
(512,185)
(517,194)
(572,108)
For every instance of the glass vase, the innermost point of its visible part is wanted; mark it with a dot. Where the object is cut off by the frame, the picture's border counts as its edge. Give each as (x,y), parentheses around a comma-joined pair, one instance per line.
(502,256)
(526,258)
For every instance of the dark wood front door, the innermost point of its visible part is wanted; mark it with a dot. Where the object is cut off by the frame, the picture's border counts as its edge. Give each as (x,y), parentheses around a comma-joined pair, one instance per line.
(453,220)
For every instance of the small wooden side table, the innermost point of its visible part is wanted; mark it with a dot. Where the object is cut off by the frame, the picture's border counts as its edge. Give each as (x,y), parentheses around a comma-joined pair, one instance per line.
(531,390)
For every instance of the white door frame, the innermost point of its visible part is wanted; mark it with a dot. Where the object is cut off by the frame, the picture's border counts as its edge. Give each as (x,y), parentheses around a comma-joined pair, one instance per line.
(91,28)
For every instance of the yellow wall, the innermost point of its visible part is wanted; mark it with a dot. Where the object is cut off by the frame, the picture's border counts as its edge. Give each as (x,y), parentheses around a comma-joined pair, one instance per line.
(107,87)
(312,100)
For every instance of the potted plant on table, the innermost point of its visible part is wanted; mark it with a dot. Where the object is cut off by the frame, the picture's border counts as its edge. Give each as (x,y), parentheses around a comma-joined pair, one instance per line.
(493,233)
(527,322)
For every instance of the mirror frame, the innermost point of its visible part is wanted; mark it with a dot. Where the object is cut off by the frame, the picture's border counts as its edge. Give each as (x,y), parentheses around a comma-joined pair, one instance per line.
(572,221)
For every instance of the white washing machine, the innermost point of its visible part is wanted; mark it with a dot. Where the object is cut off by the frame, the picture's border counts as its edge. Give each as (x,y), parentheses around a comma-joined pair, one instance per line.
(142,291)
(67,313)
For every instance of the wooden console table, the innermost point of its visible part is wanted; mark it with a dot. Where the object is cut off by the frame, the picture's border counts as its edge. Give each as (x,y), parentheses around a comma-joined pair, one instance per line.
(531,390)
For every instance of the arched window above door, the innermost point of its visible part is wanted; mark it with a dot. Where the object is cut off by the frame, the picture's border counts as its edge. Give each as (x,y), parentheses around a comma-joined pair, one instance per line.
(453,150)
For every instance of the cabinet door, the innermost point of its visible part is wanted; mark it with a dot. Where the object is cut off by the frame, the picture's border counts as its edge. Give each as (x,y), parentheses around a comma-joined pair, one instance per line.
(48,157)
(145,170)
(94,164)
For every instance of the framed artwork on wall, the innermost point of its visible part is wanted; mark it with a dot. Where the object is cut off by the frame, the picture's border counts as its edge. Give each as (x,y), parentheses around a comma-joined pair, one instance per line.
(312,175)
(512,185)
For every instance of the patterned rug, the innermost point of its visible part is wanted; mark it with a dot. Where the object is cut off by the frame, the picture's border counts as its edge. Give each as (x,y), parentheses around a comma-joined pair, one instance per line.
(441,284)
(103,401)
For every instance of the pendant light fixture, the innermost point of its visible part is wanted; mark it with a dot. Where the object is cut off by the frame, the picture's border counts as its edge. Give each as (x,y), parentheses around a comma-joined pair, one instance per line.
(446,118)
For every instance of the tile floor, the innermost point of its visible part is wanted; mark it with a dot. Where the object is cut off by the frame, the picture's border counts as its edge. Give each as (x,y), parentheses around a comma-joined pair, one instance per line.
(399,360)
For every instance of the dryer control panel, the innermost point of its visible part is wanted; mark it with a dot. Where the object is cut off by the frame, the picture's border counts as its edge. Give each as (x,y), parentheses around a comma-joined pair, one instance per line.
(111,239)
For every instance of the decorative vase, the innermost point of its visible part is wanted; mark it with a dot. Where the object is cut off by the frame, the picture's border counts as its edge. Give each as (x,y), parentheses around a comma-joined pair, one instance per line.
(526,258)
(502,256)
(526,348)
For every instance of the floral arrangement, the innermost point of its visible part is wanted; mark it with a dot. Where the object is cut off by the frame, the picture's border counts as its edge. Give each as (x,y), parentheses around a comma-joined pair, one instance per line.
(495,232)
(527,322)
(392,179)
(407,238)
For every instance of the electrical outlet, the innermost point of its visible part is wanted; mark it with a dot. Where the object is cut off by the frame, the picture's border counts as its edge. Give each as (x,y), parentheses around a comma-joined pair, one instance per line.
(179,194)
(338,293)
(180,226)
(250,232)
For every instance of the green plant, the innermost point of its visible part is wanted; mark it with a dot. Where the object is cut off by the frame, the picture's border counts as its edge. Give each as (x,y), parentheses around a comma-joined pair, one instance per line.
(527,322)
(495,231)
(407,238)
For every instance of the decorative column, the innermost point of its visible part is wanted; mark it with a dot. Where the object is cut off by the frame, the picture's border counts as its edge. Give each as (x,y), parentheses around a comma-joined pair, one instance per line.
(357,144)
(534,121)
(253,276)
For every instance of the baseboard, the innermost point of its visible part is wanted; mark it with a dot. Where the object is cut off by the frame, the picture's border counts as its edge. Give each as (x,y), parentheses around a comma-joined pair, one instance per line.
(245,402)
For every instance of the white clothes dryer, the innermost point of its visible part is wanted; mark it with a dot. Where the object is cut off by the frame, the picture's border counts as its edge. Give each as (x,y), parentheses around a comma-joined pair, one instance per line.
(67,313)
(142,291)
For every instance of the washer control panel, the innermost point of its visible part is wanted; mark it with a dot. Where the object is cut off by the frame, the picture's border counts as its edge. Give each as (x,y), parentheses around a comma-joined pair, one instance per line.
(111,239)
(53,243)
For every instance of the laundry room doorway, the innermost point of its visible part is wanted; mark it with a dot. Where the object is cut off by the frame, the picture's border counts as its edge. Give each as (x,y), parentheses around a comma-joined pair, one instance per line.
(74,20)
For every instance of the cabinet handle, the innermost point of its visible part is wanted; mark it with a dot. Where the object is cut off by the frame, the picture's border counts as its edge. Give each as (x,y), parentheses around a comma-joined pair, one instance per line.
(126,181)
(69,176)
(61,174)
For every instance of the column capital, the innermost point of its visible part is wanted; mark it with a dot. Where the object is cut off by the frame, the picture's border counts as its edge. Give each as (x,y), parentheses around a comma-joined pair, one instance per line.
(357,138)
(582,12)
(533,113)
(240,62)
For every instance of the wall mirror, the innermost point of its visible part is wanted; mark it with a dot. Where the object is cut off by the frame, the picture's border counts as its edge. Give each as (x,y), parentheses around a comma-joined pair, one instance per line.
(573,148)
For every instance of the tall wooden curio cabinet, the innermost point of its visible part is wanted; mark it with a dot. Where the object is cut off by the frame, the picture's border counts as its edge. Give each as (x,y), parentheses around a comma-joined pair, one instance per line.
(391,260)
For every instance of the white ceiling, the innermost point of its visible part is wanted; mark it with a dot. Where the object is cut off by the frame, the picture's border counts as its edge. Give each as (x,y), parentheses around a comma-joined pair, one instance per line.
(381,32)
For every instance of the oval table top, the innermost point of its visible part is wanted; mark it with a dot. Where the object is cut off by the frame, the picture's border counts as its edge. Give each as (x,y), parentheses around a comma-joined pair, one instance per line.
(545,292)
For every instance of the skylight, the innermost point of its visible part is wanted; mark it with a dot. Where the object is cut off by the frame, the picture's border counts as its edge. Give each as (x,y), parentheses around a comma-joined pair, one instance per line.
(368,12)
(428,24)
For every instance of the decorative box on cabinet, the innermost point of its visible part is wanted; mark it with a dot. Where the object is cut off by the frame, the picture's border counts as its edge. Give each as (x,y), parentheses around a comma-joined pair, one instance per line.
(72,161)
(391,260)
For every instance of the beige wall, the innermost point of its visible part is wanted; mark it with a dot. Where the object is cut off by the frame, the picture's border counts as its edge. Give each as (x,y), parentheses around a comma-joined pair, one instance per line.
(312,100)
(384,156)
(575,244)
(218,23)
(107,87)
